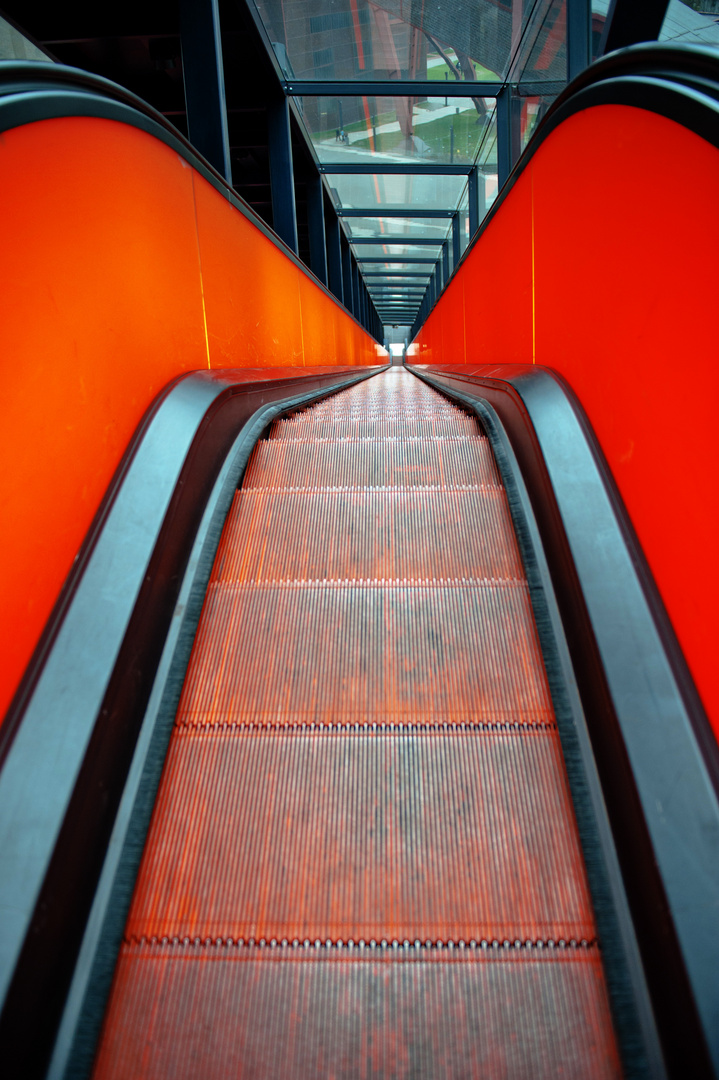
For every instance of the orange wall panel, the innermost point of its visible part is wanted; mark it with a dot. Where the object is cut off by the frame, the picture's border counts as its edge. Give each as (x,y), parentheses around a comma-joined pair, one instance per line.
(251,290)
(498,287)
(492,291)
(100,310)
(318,327)
(114,252)
(598,264)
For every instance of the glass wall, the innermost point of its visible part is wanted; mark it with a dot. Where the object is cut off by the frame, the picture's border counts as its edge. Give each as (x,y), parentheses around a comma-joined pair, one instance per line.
(15,46)
(394,39)
(371,129)
(691,22)
(351,42)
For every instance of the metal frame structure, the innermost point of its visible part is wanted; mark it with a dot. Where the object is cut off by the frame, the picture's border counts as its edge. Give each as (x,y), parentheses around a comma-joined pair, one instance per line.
(342,270)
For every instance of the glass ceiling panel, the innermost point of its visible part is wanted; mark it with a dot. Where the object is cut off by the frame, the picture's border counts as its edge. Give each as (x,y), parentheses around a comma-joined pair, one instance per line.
(357,40)
(15,46)
(372,251)
(397,283)
(371,130)
(687,26)
(419,192)
(359,228)
(397,268)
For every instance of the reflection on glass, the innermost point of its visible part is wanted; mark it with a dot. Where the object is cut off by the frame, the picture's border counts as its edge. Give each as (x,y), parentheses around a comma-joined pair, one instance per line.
(533,109)
(419,192)
(15,46)
(363,130)
(403,305)
(394,39)
(426,228)
(691,22)
(395,269)
(487,166)
(541,54)
(414,251)
(410,282)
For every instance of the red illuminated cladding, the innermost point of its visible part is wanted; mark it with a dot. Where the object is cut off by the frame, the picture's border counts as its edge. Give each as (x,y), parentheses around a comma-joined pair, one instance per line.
(106,270)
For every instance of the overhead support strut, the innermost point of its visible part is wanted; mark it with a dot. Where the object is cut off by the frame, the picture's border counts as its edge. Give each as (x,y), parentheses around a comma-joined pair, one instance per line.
(204,80)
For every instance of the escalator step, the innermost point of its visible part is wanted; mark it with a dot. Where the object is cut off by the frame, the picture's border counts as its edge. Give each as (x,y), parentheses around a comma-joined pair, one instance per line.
(348,653)
(350,464)
(430,835)
(387,535)
(260,1014)
(381,427)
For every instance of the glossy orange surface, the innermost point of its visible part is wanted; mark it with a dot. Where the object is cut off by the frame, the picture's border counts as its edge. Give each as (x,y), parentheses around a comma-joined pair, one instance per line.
(114,253)
(621,256)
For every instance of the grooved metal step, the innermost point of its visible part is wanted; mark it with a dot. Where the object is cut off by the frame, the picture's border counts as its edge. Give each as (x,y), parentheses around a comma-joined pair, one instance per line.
(363,859)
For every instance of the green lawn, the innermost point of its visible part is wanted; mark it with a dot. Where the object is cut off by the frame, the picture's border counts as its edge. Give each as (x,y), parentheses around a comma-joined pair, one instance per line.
(437,135)
(440,70)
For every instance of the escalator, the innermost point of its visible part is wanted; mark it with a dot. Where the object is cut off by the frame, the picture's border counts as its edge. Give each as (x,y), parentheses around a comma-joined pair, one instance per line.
(362,734)
(363,858)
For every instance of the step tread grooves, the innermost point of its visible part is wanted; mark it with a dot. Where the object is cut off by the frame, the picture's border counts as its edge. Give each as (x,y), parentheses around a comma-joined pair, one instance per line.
(342,1018)
(363,859)
(364,835)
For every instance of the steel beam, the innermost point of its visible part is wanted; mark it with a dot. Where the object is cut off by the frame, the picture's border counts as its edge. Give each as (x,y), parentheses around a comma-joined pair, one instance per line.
(456,252)
(472,197)
(347,275)
(393,259)
(204,81)
(282,182)
(579,37)
(316,227)
(504,137)
(391,88)
(334,254)
(398,240)
(395,170)
(385,212)
(355,286)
